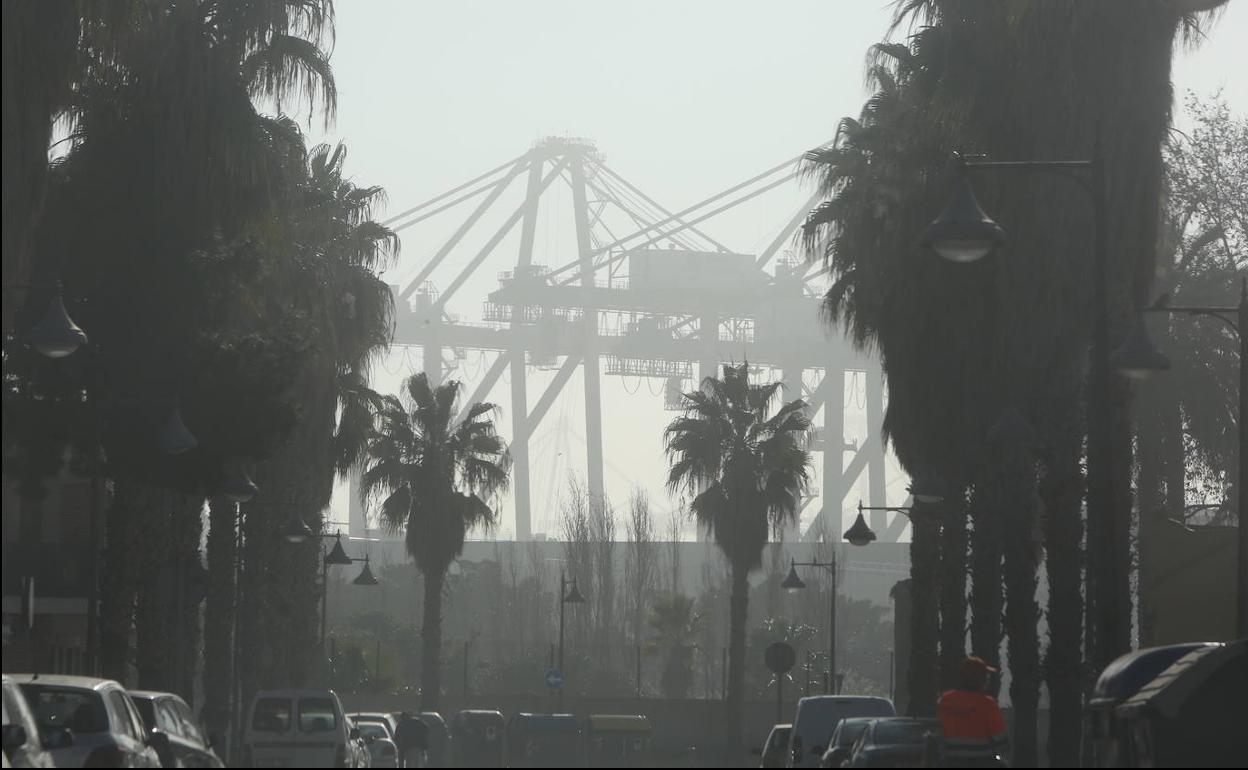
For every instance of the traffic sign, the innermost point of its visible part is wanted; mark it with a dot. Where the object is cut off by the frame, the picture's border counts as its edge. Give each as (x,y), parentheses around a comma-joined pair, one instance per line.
(779,657)
(554,678)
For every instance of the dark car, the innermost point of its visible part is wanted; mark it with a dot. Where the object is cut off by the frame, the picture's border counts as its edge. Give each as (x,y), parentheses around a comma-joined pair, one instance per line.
(895,742)
(846,734)
(776,748)
(185,743)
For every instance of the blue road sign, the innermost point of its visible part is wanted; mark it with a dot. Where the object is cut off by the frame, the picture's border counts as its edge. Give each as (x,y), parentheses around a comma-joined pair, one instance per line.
(554,678)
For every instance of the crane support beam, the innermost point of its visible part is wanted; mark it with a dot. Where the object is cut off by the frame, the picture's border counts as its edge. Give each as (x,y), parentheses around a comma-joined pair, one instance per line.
(459,234)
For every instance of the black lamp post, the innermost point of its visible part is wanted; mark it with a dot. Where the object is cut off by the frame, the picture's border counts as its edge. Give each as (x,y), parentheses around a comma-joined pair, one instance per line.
(793,583)
(335,556)
(1138,358)
(56,335)
(964,233)
(566,597)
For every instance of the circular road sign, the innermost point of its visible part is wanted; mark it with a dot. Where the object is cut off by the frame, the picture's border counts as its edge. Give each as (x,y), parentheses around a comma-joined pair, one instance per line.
(554,678)
(779,657)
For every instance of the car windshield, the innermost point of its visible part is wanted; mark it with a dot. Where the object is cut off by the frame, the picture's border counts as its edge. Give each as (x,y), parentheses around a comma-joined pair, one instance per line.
(80,710)
(272,715)
(316,715)
(904,733)
(372,729)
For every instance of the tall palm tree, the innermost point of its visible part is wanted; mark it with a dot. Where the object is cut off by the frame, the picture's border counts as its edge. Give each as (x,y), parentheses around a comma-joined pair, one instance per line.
(435,479)
(745,468)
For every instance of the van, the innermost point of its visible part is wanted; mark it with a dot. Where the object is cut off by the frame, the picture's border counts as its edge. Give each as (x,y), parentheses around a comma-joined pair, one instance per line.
(299,728)
(817,717)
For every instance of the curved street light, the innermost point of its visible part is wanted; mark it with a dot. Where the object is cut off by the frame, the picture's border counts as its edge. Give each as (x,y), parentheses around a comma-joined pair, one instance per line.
(56,335)
(963,232)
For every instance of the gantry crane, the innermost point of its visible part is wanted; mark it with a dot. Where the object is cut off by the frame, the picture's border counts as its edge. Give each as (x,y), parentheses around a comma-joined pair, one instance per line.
(654,301)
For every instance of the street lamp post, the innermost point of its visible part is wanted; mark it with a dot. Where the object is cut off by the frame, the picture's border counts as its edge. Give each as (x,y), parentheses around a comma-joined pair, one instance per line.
(566,597)
(1138,358)
(964,233)
(793,583)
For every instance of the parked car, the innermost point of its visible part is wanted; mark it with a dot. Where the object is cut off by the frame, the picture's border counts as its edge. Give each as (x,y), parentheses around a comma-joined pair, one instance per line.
(379,741)
(897,742)
(300,728)
(775,747)
(817,717)
(89,722)
(842,741)
(184,742)
(23,745)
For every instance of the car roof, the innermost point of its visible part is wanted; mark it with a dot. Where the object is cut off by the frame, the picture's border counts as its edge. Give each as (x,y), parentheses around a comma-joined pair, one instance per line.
(64,680)
(1128,673)
(841,698)
(370,715)
(153,694)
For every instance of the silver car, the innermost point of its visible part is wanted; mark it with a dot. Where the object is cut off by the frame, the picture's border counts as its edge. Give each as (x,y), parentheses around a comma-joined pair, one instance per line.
(23,745)
(92,722)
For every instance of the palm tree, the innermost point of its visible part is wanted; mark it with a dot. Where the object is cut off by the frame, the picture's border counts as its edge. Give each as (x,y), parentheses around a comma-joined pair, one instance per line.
(435,478)
(745,469)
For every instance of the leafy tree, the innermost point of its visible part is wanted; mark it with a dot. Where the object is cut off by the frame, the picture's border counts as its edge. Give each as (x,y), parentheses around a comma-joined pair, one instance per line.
(673,624)
(746,468)
(434,478)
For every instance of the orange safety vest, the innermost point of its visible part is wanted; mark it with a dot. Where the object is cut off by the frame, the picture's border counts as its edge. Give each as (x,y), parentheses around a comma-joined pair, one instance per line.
(971,722)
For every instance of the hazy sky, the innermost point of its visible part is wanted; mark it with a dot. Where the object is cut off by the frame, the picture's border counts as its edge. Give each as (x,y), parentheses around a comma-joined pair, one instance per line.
(683,98)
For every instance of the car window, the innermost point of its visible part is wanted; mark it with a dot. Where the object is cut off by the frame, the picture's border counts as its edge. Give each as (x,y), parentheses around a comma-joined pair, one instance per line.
(167,718)
(385,726)
(80,710)
(190,726)
(317,715)
(847,732)
(271,715)
(373,730)
(117,702)
(892,733)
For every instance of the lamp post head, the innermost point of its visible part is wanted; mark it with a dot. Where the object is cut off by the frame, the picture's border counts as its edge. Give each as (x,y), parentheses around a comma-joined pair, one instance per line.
(174,437)
(296,530)
(860,533)
(793,583)
(365,577)
(238,487)
(1137,357)
(574,595)
(963,232)
(336,554)
(56,336)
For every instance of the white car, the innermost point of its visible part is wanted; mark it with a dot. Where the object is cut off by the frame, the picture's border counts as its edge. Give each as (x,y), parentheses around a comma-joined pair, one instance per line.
(89,722)
(22,740)
(301,728)
(378,739)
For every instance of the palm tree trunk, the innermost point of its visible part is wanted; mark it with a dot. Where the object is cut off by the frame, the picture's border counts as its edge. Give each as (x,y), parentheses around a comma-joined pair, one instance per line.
(953,556)
(154,630)
(738,611)
(924,613)
(986,598)
(1061,490)
(219,616)
(1022,615)
(431,641)
(118,584)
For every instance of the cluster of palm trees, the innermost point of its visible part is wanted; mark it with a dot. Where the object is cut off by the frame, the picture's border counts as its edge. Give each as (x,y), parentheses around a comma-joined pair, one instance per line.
(986,363)
(226,276)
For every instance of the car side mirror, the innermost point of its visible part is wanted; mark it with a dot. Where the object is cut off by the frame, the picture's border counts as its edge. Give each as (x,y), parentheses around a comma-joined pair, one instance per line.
(158,740)
(214,740)
(14,737)
(58,737)
(354,734)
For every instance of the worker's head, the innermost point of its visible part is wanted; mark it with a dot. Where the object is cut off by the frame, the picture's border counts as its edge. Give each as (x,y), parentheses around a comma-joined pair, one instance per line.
(973,674)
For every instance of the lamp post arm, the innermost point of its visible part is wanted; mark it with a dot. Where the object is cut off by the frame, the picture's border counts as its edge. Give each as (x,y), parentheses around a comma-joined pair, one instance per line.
(1223,314)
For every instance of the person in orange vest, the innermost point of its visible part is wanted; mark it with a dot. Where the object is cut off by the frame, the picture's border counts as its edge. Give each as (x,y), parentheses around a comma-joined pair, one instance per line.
(974,730)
